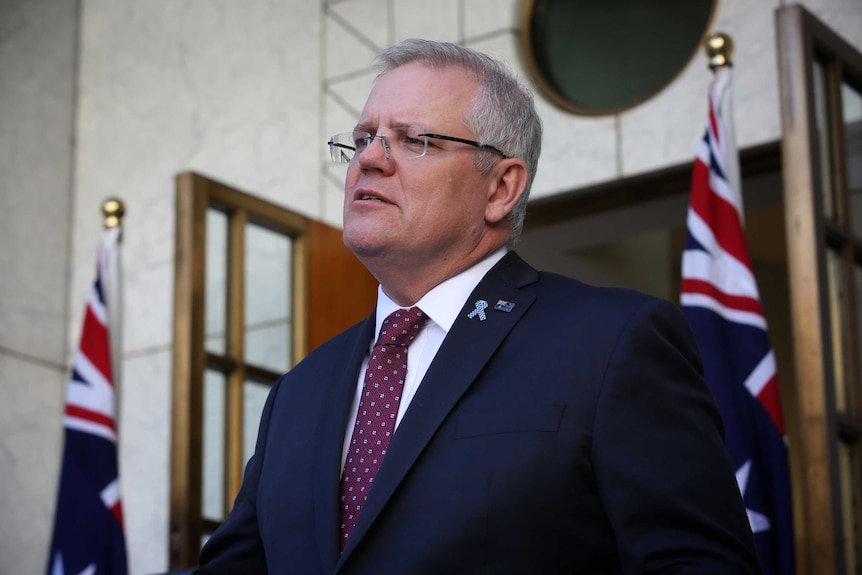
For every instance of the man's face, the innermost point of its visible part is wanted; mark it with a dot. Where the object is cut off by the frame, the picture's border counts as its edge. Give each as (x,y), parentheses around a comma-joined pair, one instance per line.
(400,208)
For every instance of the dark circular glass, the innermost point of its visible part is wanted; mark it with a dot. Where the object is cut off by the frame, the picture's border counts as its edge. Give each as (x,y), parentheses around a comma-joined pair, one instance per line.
(604,56)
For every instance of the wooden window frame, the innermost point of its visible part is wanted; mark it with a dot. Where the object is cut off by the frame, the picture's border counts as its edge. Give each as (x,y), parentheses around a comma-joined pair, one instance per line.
(195,196)
(802,41)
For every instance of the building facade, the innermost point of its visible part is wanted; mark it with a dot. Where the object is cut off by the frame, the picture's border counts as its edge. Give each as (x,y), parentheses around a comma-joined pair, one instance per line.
(116,98)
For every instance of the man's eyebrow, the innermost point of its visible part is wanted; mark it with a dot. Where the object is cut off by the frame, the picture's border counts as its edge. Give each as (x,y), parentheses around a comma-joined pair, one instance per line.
(394,125)
(402,125)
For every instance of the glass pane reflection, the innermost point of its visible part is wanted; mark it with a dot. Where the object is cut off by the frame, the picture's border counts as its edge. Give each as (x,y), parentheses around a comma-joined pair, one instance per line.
(851,112)
(216,282)
(253,397)
(268,270)
(848,469)
(212,474)
(821,123)
(838,321)
(857,288)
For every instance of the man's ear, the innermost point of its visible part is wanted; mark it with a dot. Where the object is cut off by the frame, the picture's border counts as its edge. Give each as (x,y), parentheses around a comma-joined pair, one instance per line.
(508,181)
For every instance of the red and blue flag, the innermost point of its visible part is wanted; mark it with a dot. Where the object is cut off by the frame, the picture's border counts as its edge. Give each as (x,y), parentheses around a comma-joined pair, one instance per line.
(722,303)
(88,534)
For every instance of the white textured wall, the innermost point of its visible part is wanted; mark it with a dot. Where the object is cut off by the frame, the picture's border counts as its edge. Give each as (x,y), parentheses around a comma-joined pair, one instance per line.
(244,92)
(37,65)
(578,151)
(229,89)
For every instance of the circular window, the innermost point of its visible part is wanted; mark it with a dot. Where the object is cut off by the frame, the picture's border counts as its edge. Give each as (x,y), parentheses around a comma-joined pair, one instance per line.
(604,56)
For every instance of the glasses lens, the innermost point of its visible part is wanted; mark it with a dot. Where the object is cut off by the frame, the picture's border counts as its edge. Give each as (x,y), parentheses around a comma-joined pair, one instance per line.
(342,148)
(410,142)
(361,140)
(403,143)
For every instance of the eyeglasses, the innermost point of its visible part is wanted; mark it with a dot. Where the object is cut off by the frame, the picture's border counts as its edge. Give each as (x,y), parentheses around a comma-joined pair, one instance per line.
(401,143)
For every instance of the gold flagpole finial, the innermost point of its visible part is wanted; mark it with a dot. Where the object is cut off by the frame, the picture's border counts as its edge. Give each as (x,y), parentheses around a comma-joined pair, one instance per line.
(113,209)
(719,50)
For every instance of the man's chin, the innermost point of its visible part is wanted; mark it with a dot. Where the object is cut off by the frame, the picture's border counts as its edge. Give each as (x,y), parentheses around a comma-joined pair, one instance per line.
(363,245)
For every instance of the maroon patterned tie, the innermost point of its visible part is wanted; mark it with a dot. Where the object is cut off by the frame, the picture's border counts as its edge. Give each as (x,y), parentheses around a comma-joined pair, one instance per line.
(378,408)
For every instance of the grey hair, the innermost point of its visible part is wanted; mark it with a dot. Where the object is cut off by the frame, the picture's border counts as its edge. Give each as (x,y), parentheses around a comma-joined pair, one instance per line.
(503,114)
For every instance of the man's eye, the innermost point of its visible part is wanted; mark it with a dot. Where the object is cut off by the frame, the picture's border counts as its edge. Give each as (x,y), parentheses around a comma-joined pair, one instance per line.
(413,142)
(362,141)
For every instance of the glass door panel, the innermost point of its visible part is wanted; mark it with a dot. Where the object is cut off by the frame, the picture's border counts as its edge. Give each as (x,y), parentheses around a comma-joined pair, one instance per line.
(214,436)
(851,112)
(838,316)
(216,282)
(824,138)
(254,396)
(268,282)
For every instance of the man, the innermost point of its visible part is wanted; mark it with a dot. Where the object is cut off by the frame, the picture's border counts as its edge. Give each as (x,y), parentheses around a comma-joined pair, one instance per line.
(543,426)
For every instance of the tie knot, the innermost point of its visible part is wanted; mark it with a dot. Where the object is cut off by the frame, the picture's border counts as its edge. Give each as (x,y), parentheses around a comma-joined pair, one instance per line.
(401,326)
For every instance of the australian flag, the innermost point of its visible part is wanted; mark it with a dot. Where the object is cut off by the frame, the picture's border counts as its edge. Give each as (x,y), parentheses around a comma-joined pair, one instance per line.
(88,524)
(721,301)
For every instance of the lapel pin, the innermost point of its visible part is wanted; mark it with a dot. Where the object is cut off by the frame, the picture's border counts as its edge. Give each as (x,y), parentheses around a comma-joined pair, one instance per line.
(480,310)
(505,306)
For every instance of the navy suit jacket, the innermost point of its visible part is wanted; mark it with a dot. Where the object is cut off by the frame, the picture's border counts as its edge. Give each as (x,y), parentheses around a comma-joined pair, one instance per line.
(572,434)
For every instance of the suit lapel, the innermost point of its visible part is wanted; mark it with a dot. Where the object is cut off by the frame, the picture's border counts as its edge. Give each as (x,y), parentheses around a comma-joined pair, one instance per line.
(468,347)
(330,440)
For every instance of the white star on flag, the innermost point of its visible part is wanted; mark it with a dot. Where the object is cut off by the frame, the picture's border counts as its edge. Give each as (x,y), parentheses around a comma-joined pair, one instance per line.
(758,521)
(57,567)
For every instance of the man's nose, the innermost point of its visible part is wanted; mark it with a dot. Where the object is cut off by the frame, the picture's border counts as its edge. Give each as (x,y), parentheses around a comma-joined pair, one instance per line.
(370,152)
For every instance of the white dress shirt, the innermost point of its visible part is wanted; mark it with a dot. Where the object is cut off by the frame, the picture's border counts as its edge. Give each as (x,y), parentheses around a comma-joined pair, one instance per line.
(442,305)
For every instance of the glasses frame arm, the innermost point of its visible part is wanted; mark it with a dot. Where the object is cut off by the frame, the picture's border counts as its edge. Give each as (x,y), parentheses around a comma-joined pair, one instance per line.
(463,141)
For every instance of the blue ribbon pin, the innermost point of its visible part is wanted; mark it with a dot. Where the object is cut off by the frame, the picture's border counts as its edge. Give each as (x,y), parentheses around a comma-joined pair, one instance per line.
(480,310)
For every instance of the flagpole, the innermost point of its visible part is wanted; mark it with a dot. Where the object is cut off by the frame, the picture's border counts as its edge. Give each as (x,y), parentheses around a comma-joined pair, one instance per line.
(719,50)
(113,210)
(720,298)
(88,534)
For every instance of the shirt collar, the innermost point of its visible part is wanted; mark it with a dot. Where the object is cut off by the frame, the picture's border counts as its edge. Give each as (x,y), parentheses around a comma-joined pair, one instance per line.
(443,303)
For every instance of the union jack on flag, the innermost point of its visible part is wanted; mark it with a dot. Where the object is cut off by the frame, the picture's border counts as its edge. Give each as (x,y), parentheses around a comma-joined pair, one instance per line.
(722,304)
(88,534)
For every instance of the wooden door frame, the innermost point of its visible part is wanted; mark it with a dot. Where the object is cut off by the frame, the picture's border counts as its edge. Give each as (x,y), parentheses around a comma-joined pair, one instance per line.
(331,290)
(801,40)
